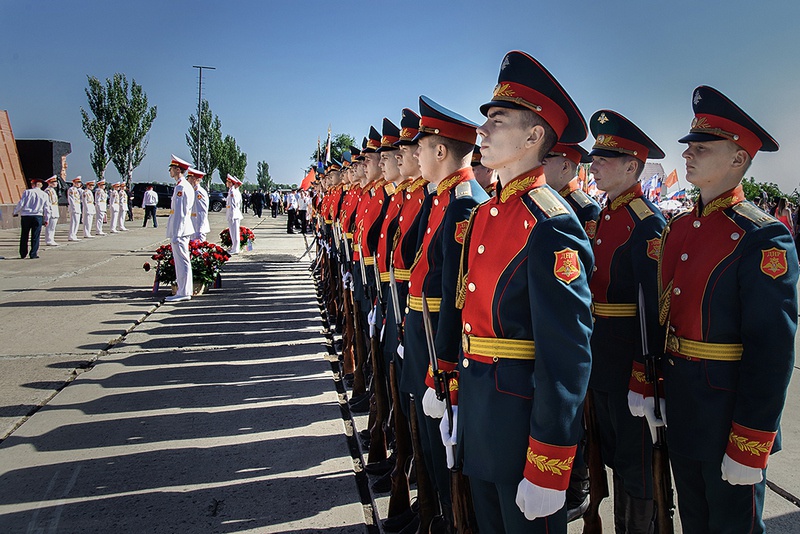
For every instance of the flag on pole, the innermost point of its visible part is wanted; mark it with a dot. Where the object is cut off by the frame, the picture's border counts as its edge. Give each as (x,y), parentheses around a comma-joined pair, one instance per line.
(672,178)
(328,146)
(306,183)
(319,155)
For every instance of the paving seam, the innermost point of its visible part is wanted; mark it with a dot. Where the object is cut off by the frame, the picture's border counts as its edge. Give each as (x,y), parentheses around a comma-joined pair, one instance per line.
(371,519)
(88,366)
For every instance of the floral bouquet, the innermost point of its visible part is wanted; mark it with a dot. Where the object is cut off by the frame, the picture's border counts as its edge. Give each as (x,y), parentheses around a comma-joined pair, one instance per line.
(206,259)
(246,238)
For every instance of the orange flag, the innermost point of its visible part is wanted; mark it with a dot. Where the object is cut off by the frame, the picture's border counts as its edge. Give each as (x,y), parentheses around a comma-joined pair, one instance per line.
(306,183)
(672,179)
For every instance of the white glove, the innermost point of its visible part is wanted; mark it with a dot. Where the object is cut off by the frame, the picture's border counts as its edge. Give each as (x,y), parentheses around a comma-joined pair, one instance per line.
(401,351)
(649,407)
(636,403)
(449,438)
(739,474)
(371,320)
(432,406)
(535,501)
(347,281)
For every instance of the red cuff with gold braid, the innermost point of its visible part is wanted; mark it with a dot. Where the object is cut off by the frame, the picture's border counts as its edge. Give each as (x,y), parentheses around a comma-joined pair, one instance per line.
(638,382)
(452,386)
(748,446)
(549,466)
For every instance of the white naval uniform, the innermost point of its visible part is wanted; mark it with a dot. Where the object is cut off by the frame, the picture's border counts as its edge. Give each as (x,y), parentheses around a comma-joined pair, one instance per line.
(89,211)
(74,195)
(113,201)
(234,215)
(200,214)
(100,199)
(123,209)
(179,231)
(51,216)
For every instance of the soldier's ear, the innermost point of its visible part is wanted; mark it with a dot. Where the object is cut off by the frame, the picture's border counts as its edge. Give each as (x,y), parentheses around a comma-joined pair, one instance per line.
(535,136)
(741,159)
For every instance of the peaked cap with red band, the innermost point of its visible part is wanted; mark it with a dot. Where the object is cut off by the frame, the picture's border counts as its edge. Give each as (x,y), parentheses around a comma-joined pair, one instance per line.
(391,135)
(355,153)
(717,117)
(234,179)
(524,83)
(575,153)
(409,128)
(178,162)
(438,120)
(616,136)
(373,141)
(194,172)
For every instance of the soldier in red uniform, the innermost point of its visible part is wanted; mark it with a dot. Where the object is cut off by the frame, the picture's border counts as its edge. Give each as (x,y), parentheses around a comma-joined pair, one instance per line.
(727,283)
(626,247)
(559,170)
(526,321)
(444,149)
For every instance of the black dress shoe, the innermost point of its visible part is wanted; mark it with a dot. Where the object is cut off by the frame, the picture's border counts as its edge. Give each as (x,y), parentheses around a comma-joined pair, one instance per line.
(383,484)
(34,257)
(412,527)
(357,398)
(361,406)
(398,522)
(379,468)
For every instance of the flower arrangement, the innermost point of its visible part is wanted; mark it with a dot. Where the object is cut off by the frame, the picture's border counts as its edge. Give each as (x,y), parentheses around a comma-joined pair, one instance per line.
(246,236)
(206,259)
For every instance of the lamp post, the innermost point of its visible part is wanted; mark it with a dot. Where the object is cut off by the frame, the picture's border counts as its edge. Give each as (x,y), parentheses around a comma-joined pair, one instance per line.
(199,122)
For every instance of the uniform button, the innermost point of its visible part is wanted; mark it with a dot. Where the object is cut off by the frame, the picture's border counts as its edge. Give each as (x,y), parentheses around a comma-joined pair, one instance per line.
(608,217)
(735,236)
(465,363)
(671,361)
(366,210)
(401,218)
(409,283)
(428,230)
(696,224)
(677,291)
(406,310)
(594,268)
(684,257)
(494,211)
(408,197)
(481,248)
(467,327)
(598,241)
(381,236)
(471,286)
(435,201)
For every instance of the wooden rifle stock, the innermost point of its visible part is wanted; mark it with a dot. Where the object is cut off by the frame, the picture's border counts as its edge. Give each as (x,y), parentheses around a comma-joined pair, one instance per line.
(377,443)
(662,485)
(598,480)
(359,380)
(400,498)
(426,495)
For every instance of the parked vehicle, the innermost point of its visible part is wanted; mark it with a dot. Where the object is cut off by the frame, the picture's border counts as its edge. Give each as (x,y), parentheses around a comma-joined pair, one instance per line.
(164,194)
(216,200)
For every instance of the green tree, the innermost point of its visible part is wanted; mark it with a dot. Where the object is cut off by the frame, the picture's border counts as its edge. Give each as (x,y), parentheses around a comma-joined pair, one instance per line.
(262,176)
(131,122)
(210,138)
(96,128)
(753,189)
(231,160)
(340,143)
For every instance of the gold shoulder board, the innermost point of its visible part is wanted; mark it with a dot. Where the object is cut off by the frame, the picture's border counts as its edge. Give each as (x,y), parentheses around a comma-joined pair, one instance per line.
(581,198)
(640,208)
(753,213)
(389,188)
(547,201)
(463,190)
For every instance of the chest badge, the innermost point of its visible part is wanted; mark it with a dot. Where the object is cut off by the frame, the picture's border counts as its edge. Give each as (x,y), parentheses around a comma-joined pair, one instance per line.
(567,266)
(773,262)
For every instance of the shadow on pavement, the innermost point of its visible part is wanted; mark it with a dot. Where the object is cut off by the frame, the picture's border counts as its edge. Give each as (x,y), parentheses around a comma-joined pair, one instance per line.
(218,415)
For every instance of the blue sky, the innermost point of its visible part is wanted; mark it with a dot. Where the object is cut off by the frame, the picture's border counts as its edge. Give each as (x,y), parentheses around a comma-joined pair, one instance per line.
(285,70)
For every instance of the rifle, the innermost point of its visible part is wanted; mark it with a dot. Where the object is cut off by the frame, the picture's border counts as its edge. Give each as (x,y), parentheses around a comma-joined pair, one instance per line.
(662,479)
(377,444)
(400,498)
(395,295)
(598,480)
(426,495)
(463,511)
